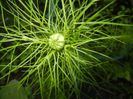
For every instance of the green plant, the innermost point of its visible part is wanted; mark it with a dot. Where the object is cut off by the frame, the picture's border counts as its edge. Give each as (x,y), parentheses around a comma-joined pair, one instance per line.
(7,92)
(55,48)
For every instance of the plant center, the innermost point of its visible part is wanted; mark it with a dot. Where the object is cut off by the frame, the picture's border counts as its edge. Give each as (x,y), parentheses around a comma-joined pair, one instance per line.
(56,41)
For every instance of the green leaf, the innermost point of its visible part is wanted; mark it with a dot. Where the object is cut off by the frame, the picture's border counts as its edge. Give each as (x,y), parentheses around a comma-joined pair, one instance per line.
(13,90)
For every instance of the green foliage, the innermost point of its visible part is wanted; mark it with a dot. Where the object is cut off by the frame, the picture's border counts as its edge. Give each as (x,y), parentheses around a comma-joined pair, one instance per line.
(27,45)
(13,90)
